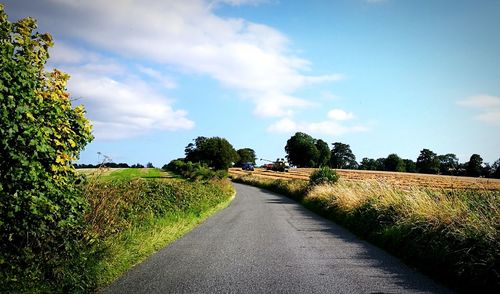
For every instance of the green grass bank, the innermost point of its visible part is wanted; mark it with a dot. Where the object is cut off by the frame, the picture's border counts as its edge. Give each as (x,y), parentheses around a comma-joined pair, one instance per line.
(135,212)
(452,235)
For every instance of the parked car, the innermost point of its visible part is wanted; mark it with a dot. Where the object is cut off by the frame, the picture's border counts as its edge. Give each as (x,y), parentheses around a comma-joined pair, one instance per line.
(247,166)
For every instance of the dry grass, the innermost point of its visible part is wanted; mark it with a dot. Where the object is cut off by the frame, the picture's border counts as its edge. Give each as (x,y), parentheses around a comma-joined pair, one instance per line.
(453,234)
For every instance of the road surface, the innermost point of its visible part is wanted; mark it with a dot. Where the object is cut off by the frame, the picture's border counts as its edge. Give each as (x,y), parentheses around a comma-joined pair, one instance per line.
(267,243)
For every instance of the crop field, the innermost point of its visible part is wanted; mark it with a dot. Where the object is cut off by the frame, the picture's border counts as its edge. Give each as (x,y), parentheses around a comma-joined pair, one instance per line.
(123,173)
(393,178)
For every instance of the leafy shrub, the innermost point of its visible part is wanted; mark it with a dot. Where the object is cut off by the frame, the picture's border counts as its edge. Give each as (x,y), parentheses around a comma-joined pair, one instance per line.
(323,175)
(42,244)
(194,171)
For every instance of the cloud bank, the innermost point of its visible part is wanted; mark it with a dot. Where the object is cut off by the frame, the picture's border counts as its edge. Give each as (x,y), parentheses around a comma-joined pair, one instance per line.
(255,60)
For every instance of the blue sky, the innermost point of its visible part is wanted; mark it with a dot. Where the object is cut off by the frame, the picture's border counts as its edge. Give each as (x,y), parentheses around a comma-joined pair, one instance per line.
(392,76)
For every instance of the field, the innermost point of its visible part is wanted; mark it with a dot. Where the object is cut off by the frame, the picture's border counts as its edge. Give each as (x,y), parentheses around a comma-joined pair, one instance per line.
(123,173)
(397,179)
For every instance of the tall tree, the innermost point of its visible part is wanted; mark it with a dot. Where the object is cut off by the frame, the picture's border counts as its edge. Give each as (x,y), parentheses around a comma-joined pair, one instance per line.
(428,162)
(324,153)
(495,169)
(474,166)
(368,164)
(448,164)
(410,166)
(246,155)
(215,152)
(394,163)
(342,156)
(301,150)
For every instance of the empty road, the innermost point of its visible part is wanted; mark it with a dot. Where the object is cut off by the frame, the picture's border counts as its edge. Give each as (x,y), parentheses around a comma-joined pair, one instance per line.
(267,243)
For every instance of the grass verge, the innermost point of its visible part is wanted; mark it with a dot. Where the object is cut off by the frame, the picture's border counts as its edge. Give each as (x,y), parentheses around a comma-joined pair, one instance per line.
(134,245)
(130,218)
(452,235)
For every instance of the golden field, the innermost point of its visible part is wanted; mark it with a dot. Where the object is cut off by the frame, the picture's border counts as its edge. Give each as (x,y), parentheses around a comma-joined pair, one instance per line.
(397,179)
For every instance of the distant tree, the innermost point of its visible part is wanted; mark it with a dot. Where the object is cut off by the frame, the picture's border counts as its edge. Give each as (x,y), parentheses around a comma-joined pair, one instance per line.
(342,156)
(193,150)
(448,164)
(495,169)
(474,166)
(410,166)
(301,150)
(149,165)
(394,163)
(137,165)
(486,170)
(379,164)
(215,152)
(428,162)
(246,155)
(368,164)
(324,153)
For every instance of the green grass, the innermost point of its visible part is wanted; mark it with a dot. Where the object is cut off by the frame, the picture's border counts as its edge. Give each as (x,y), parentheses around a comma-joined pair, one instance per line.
(134,245)
(135,212)
(134,173)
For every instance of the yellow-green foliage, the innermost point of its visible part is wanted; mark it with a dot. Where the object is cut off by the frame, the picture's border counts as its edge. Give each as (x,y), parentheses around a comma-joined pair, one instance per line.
(41,208)
(451,234)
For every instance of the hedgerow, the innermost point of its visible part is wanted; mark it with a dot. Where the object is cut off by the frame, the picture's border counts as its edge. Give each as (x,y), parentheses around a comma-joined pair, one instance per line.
(41,207)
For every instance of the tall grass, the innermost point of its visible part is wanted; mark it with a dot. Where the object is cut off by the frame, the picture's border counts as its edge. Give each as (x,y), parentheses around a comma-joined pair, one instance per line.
(129,219)
(451,234)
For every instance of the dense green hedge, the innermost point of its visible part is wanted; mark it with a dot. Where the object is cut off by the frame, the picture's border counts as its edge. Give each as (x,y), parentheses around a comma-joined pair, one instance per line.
(41,133)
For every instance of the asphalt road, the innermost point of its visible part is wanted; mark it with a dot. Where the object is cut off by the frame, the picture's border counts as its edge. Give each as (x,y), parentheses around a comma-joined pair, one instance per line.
(266,243)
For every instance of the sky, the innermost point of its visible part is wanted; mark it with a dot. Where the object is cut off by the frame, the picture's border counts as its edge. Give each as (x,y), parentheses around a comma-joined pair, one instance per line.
(384,76)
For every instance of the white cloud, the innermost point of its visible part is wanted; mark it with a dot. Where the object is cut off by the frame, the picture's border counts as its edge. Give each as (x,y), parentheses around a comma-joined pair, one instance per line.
(120,110)
(339,114)
(119,103)
(331,126)
(165,81)
(490,116)
(188,36)
(488,105)
(480,101)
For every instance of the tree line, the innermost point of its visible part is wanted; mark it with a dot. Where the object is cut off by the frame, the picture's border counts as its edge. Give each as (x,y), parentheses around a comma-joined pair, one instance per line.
(305,151)
(113,165)
(216,153)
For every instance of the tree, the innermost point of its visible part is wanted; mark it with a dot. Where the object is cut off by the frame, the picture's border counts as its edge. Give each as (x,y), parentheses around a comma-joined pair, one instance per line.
(324,153)
(427,162)
(368,164)
(448,164)
(301,150)
(149,165)
(474,166)
(410,166)
(246,155)
(495,169)
(215,152)
(380,163)
(394,163)
(41,134)
(342,156)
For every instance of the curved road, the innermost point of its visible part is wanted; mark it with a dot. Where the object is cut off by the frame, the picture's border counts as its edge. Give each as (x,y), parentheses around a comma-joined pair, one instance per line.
(267,243)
